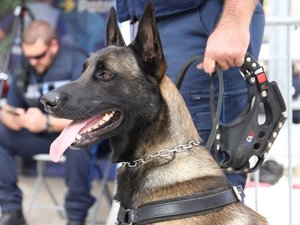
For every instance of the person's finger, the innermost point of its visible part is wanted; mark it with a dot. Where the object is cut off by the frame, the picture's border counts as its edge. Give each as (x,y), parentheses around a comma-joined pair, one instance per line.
(209,65)
(200,66)
(224,64)
(19,111)
(239,61)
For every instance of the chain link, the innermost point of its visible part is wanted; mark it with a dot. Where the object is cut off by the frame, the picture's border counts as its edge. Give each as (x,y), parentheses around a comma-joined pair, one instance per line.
(161,153)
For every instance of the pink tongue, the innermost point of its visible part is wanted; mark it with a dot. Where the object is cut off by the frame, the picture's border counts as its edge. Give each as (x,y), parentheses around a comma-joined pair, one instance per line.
(65,139)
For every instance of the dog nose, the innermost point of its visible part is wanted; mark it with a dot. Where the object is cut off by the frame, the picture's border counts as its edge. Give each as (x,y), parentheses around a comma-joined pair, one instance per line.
(51,99)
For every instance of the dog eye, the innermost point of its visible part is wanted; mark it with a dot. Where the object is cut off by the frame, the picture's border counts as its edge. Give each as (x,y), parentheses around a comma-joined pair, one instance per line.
(104,76)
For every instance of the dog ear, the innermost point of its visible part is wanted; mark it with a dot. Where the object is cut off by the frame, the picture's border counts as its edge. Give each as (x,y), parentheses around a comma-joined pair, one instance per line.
(113,33)
(147,42)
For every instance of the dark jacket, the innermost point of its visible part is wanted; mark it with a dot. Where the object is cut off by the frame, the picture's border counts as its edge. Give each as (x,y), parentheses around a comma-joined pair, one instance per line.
(133,9)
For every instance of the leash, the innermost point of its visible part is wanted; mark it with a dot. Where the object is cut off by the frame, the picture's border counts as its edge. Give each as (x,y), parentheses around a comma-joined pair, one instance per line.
(215,112)
(242,144)
(181,207)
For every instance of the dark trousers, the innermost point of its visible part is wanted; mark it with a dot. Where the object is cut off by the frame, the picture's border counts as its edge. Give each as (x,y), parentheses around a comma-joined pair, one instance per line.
(78,171)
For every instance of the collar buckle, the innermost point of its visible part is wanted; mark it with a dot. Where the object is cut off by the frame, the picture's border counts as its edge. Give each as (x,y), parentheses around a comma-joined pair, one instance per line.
(238,193)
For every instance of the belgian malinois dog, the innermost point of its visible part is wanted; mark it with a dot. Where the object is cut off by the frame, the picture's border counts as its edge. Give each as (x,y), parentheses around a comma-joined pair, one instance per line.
(123,94)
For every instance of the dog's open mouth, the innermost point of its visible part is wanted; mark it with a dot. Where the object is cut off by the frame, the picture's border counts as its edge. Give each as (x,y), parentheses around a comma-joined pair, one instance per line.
(80,134)
(99,125)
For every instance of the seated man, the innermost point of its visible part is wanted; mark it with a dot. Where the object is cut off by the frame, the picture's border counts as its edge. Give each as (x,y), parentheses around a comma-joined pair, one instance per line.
(10,26)
(27,129)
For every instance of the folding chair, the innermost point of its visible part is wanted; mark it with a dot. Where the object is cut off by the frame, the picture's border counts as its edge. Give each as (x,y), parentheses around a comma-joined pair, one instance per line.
(103,167)
(42,160)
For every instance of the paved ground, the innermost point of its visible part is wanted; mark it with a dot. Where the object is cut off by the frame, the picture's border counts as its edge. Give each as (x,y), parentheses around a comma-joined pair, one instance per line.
(46,216)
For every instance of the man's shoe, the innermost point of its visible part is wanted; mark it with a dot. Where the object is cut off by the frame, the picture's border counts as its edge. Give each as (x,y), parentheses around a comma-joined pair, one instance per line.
(12,218)
(75,222)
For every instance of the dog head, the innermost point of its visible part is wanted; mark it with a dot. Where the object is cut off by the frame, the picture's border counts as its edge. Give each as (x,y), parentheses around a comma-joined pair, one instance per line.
(117,94)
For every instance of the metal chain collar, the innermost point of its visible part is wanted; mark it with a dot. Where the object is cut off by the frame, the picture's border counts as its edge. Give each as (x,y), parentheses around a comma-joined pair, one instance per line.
(161,153)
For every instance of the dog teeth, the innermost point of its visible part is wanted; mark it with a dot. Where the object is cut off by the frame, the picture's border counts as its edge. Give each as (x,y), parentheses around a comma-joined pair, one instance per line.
(104,119)
(78,137)
(107,117)
(96,126)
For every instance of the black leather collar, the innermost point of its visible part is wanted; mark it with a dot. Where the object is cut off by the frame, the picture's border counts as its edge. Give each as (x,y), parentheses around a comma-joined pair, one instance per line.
(175,208)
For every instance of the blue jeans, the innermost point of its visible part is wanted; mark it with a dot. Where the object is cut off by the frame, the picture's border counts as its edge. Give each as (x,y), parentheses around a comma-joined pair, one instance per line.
(183,36)
(24,143)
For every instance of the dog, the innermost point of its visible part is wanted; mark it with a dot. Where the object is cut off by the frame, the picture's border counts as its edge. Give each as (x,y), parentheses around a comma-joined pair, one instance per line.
(125,95)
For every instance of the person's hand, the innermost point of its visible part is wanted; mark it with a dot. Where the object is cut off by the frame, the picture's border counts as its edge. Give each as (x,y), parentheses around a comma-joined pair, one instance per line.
(11,117)
(34,120)
(226,46)
(228,43)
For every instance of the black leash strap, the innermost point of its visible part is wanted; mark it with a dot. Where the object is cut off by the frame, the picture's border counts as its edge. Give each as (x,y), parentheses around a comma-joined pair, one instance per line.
(185,68)
(176,208)
(215,112)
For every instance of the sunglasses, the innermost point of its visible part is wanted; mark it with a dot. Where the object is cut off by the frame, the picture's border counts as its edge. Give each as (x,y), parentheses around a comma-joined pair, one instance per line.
(39,56)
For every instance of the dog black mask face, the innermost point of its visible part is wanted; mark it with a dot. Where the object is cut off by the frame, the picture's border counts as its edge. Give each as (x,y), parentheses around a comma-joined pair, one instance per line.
(114,81)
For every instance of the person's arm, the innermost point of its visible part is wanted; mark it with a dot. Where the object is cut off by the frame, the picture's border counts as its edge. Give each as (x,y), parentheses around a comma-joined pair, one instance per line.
(56,124)
(228,43)
(33,120)
(36,121)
